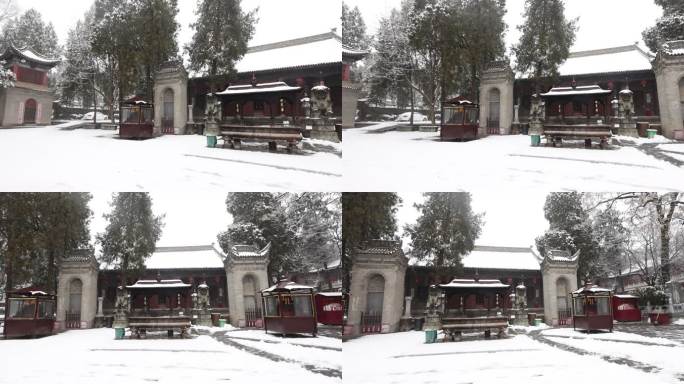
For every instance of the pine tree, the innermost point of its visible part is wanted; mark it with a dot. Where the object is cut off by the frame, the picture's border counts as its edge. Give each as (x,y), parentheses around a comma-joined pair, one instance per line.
(30,31)
(222,31)
(259,219)
(547,37)
(612,237)
(669,27)
(570,229)
(131,233)
(353,28)
(156,31)
(446,229)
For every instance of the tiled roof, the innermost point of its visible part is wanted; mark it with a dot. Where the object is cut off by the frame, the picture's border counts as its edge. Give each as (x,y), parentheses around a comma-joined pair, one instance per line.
(29,54)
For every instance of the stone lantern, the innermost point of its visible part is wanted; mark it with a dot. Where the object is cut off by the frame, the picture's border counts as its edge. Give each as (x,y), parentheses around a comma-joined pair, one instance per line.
(627,124)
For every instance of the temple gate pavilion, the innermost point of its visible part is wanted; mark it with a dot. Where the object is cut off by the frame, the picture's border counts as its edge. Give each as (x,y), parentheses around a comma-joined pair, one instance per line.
(29,102)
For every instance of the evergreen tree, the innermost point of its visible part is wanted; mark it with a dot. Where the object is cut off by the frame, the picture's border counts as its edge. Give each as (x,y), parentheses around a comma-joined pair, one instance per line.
(612,237)
(222,31)
(30,31)
(260,218)
(131,234)
(353,28)
(669,27)
(365,216)
(113,43)
(156,29)
(570,229)
(446,229)
(316,220)
(36,231)
(79,65)
(547,37)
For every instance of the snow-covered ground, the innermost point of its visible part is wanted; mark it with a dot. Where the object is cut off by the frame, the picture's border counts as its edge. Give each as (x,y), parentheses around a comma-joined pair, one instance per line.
(418,161)
(405,358)
(93,356)
(60,158)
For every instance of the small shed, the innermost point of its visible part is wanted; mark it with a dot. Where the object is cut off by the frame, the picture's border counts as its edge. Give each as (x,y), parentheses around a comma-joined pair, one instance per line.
(136,120)
(30,313)
(626,308)
(592,308)
(289,308)
(459,120)
(329,308)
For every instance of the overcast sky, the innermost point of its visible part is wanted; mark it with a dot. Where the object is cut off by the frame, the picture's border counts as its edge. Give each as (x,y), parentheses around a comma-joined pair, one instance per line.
(511,219)
(278,20)
(192,218)
(603,23)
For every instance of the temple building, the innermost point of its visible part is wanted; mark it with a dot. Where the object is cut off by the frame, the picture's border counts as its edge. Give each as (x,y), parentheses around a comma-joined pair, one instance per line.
(29,102)
(303,62)
(389,291)
(656,82)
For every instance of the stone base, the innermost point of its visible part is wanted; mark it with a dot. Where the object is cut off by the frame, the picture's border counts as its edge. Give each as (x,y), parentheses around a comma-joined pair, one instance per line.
(324,135)
(432,323)
(406,324)
(204,319)
(322,129)
(211,129)
(629,130)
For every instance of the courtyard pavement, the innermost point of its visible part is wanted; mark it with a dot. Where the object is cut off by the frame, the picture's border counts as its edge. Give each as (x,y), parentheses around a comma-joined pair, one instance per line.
(67,158)
(379,158)
(527,355)
(94,356)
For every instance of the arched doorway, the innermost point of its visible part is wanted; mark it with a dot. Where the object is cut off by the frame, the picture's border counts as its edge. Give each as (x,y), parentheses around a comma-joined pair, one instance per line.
(249,296)
(30,109)
(73,315)
(562,301)
(494,111)
(371,320)
(167,111)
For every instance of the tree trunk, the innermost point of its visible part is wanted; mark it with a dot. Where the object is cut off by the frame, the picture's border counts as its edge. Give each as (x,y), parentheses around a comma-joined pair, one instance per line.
(665,252)
(51,286)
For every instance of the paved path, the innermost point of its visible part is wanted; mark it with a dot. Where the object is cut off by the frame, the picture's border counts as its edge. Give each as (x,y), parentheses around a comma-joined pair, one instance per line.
(536,335)
(670,332)
(229,340)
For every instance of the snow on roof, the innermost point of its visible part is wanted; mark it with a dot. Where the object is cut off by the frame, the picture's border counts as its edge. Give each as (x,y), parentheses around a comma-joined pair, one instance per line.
(580,90)
(249,250)
(592,289)
(284,285)
(172,283)
(674,48)
(625,296)
(487,257)
(471,283)
(187,257)
(29,54)
(278,86)
(609,60)
(307,51)
(330,294)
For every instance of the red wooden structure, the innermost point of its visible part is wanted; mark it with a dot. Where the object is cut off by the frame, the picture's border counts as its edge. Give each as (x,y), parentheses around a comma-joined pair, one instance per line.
(474,305)
(626,308)
(30,313)
(289,308)
(160,305)
(592,308)
(459,120)
(136,120)
(329,308)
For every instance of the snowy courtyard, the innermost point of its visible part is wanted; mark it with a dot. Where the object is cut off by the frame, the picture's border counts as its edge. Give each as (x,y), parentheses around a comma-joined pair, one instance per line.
(378,158)
(93,355)
(60,158)
(528,355)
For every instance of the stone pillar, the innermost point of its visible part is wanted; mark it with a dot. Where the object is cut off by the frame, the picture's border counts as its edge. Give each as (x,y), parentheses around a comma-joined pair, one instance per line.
(516,119)
(386,259)
(407,306)
(99,305)
(190,119)
(80,265)
(171,75)
(242,261)
(669,70)
(497,76)
(555,265)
